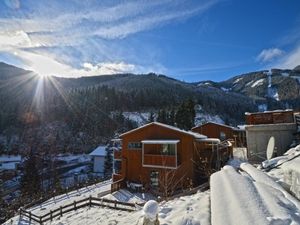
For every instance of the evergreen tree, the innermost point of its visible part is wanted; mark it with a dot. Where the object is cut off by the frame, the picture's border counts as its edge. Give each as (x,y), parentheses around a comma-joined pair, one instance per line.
(151,117)
(31,180)
(108,163)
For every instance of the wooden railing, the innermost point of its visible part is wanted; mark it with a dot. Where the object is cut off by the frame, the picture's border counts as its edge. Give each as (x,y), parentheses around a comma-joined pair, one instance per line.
(159,160)
(115,186)
(89,201)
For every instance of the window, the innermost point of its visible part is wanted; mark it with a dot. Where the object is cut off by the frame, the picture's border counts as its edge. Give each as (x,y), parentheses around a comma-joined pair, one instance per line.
(135,145)
(168,149)
(154,178)
(117,166)
(222,136)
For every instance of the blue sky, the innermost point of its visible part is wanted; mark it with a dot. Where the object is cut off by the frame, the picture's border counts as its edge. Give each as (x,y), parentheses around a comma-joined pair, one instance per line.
(188,40)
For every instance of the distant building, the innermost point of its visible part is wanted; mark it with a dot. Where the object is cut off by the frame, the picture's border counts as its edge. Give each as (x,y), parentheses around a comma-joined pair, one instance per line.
(261,126)
(9,162)
(222,132)
(98,156)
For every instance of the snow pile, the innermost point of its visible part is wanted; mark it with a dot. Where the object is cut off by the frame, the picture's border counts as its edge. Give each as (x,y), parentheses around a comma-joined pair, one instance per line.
(258,83)
(257,199)
(150,210)
(286,170)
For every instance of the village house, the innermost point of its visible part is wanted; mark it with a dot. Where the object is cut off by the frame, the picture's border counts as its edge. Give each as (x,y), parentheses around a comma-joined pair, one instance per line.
(98,156)
(261,126)
(9,162)
(157,157)
(223,132)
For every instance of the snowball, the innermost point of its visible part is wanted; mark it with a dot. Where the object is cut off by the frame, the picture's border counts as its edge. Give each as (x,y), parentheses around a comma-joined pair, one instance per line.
(151,210)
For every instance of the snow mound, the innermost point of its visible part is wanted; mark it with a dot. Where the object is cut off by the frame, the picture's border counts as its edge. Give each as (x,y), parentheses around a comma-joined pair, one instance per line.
(151,210)
(257,199)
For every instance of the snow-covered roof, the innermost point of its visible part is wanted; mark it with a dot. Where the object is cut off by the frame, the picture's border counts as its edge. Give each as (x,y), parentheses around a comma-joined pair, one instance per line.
(195,135)
(211,122)
(274,111)
(10,158)
(214,140)
(8,166)
(99,151)
(160,141)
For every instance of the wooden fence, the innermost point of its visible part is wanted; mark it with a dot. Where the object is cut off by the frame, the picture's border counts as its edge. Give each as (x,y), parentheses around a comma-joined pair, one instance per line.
(89,201)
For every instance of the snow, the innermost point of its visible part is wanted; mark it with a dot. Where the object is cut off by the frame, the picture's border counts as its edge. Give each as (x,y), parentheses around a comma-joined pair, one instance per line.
(257,199)
(140,118)
(10,158)
(286,170)
(237,80)
(192,209)
(150,210)
(202,118)
(99,151)
(258,83)
(160,141)
(195,135)
(69,158)
(262,107)
(225,89)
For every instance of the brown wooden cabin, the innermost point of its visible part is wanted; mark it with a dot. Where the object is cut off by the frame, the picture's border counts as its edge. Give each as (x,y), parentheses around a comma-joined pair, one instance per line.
(270,117)
(159,157)
(222,132)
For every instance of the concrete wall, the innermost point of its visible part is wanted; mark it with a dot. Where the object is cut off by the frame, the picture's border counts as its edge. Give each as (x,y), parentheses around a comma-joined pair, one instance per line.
(258,137)
(98,164)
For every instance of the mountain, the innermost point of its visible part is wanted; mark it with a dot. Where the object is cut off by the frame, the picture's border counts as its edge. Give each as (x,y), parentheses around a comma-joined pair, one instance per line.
(83,112)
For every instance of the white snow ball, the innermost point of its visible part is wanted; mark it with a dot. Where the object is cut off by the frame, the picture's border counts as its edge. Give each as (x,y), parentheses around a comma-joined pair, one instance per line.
(151,210)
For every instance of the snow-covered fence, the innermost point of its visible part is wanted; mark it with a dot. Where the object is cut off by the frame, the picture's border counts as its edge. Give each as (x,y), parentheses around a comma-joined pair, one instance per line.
(86,202)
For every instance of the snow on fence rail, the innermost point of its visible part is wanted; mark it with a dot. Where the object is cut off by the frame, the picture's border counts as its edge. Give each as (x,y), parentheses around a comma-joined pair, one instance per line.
(89,201)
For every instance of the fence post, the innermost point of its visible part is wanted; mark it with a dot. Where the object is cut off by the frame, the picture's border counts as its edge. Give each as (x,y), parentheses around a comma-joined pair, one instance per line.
(29,217)
(115,204)
(90,201)
(75,205)
(41,219)
(61,213)
(51,215)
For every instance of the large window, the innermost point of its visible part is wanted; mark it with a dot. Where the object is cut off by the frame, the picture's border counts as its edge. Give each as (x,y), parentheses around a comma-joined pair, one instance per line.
(168,149)
(135,145)
(154,178)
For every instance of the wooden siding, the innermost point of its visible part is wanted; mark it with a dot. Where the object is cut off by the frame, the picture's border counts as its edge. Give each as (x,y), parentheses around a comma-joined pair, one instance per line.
(132,168)
(270,117)
(213,130)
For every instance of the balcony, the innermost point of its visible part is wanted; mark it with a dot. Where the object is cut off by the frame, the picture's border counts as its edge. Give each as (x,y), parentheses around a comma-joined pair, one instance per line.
(165,161)
(160,154)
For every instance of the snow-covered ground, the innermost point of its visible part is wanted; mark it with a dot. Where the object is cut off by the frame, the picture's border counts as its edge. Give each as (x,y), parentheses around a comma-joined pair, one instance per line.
(258,83)
(70,158)
(138,117)
(192,209)
(202,118)
(249,196)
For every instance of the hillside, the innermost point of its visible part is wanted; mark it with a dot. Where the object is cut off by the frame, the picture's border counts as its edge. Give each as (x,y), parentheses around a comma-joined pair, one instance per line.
(90,110)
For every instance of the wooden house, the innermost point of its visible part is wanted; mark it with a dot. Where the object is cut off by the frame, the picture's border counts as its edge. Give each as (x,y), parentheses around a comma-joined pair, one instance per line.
(157,157)
(222,132)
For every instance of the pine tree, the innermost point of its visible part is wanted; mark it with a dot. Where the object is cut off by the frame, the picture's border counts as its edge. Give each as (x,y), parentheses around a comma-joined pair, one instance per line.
(31,180)
(151,117)
(108,163)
